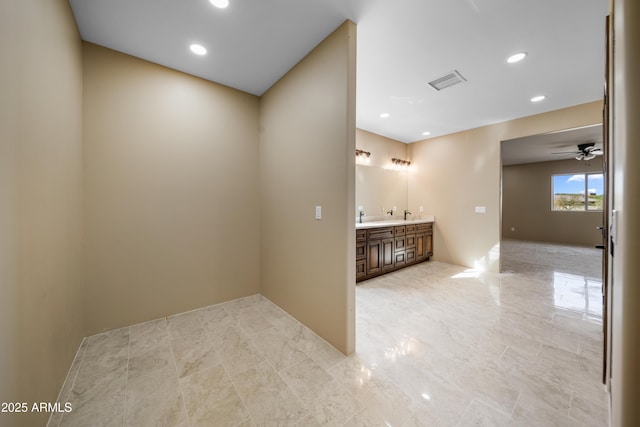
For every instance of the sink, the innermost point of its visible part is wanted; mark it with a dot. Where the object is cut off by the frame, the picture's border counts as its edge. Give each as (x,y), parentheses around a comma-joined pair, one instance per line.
(394,222)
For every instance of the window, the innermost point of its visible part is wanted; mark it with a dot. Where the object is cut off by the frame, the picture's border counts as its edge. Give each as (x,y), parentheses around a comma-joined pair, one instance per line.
(578,192)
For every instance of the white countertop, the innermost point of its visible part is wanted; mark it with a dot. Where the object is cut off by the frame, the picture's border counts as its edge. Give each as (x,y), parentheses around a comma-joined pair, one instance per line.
(394,222)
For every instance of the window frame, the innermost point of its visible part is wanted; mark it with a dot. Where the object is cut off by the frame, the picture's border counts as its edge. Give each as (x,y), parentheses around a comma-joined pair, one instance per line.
(585,201)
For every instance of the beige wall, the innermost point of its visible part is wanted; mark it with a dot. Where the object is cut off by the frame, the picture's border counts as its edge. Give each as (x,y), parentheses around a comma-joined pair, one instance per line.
(382,149)
(378,188)
(455,173)
(526,205)
(40,202)
(307,145)
(625,278)
(171,191)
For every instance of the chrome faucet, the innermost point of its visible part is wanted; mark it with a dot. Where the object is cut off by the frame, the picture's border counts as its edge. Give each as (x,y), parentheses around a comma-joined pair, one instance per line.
(406,212)
(361,215)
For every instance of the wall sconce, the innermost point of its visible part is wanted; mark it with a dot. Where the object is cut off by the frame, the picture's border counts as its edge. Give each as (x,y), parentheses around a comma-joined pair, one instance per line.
(399,164)
(362,156)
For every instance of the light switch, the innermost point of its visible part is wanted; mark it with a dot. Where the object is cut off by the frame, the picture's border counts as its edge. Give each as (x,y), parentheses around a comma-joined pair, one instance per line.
(481,209)
(318,212)
(421,209)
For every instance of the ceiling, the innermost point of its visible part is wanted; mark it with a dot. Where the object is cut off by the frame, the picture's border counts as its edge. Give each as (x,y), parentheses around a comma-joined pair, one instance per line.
(546,147)
(402,45)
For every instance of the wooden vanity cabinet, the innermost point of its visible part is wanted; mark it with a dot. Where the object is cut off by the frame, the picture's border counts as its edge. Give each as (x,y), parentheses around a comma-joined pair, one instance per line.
(383,249)
(361,254)
(424,241)
(379,250)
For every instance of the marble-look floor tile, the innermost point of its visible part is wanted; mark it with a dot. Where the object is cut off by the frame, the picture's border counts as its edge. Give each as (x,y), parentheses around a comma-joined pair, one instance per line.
(481,414)
(155,400)
(437,345)
(211,399)
(193,353)
(237,352)
(100,402)
(149,359)
(589,407)
(279,350)
(328,401)
(268,398)
(184,324)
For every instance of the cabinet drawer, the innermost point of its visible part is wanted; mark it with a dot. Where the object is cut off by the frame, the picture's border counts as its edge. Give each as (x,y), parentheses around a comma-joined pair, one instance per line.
(426,227)
(380,233)
(401,243)
(361,268)
(410,241)
(361,235)
(361,250)
(410,255)
(410,229)
(400,230)
(400,258)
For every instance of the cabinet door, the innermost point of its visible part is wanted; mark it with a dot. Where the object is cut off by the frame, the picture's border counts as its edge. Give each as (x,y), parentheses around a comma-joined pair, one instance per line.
(428,240)
(387,254)
(361,269)
(374,256)
(421,247)
(361,250)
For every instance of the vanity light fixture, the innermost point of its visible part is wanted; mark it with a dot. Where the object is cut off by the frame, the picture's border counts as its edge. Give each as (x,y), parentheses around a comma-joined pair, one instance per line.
(198,49)
(538,98)
(400,164)
(220,4)
(516,57)
(362,156)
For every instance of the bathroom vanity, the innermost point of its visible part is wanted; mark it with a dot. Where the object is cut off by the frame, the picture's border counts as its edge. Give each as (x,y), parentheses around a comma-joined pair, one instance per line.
(385,246)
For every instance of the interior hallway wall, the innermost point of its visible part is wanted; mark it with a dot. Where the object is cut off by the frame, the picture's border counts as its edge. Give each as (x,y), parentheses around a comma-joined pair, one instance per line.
(457,172)
(171,191)
(307,147)
(625,268)
(41,307)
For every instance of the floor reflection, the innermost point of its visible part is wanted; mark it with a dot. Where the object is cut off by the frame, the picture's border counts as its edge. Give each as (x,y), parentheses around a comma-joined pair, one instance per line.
(458,346)
(578,293)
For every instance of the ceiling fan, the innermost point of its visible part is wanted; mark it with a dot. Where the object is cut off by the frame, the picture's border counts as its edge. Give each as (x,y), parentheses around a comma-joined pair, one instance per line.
(586,151)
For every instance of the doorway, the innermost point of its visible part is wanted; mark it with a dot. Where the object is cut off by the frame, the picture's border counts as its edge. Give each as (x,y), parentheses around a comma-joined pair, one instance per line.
(553,216)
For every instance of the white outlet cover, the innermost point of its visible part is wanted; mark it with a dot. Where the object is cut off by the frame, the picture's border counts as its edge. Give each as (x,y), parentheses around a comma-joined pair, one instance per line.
(481,209)
(318,212)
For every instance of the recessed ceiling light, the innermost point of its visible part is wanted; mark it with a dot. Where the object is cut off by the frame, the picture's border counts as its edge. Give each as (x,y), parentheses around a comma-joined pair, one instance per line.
(426,133)
(198,49)
(384,115)
(517,57)
(219,3)
(538,98)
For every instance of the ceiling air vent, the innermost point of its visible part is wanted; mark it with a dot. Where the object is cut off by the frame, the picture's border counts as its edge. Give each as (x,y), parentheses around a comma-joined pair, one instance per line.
(448,80)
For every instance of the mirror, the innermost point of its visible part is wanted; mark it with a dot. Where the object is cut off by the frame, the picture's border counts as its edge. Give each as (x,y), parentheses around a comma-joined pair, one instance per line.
(378,190)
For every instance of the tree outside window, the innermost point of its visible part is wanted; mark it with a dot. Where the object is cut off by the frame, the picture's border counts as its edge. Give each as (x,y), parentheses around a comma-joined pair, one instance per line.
(578,192)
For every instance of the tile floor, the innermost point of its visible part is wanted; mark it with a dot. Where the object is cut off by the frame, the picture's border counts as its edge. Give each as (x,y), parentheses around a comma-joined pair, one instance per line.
(437,345)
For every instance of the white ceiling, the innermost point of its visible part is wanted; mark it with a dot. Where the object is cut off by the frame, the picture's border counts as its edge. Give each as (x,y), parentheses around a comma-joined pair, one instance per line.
(550,146)
(402,45)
